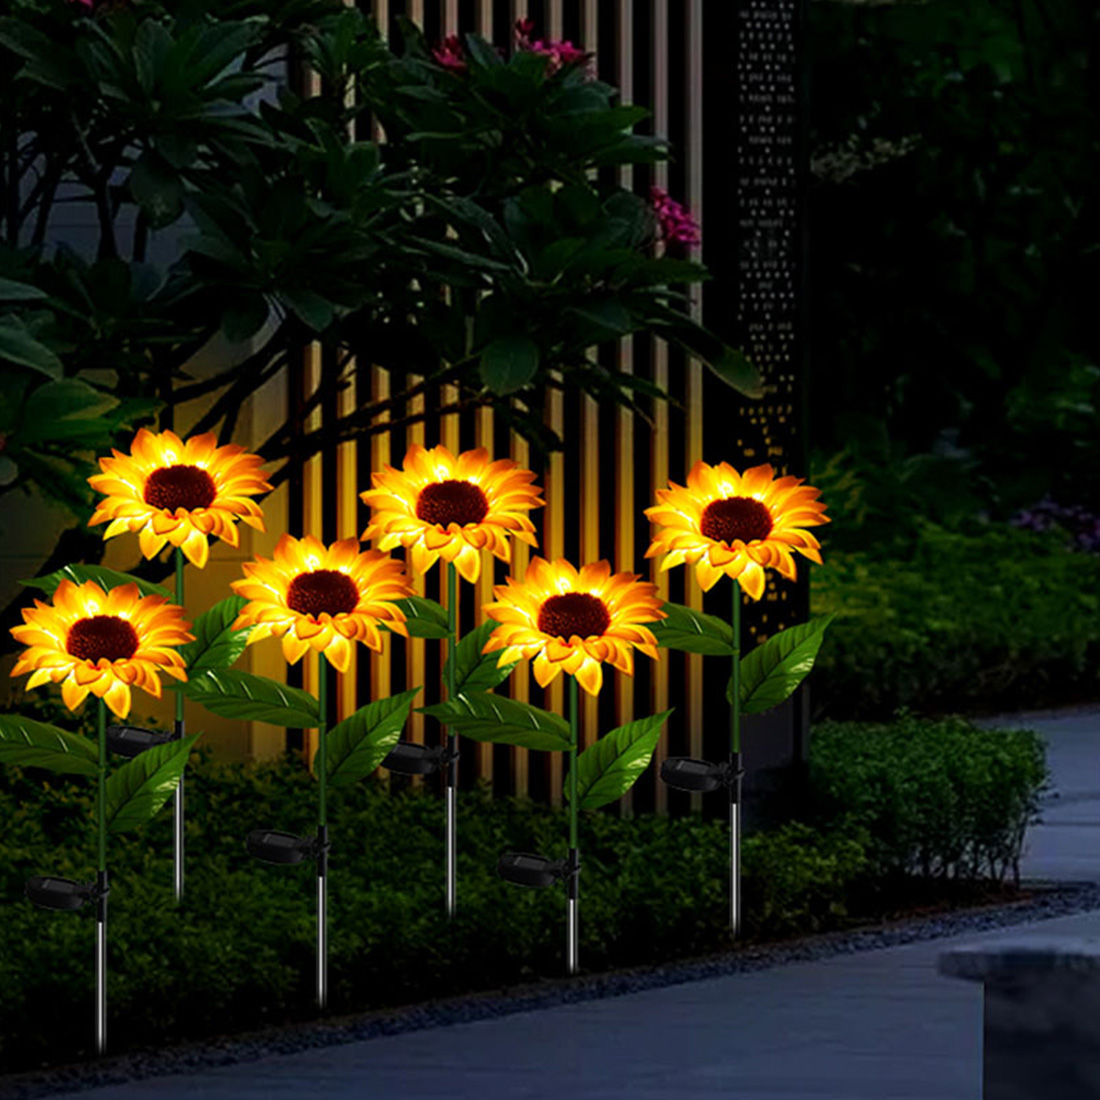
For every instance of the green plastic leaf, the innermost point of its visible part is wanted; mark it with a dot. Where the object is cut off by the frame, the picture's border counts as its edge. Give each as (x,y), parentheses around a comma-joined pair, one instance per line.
(137,791)
(693,632)
(474,670)
(771,672)
(230,693)
(38,745)
(358,744)
(608,769)
(104,577)
(216,644)
(509,363)
(486,717)
(424,618)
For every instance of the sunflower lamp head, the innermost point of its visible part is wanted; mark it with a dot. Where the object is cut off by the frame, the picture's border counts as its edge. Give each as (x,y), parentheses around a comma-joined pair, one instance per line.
(49,892)
(409,758)
(698,776)
(133,740)
(275,847)
(526,869)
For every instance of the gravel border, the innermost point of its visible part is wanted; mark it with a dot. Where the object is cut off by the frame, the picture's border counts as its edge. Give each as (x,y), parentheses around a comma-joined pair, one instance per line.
(1051,900)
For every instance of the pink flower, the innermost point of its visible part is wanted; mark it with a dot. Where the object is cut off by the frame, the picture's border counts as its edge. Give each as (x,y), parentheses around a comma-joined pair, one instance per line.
(449,54)
(558,55)
(675,223)
(89,4)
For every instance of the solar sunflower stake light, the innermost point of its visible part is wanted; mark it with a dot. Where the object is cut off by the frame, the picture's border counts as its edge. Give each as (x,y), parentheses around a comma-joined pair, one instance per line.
(439,506)
(179,494)
(737,525)
(324,598)
(101,642)
(570,621)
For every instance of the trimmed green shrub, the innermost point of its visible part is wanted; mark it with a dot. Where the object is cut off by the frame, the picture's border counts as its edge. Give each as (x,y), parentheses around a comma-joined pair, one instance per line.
(239,953)
(1003,620)
(915,797)
(940,799)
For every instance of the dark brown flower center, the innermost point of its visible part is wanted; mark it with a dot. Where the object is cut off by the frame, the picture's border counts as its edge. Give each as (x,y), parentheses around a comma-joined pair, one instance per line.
(446,502)
(102,636)
(574,613)
(322,590)
(736,518)
(186,487)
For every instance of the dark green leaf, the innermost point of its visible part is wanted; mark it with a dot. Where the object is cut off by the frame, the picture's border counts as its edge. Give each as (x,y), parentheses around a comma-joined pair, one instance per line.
(17,345)
(693,632)
(424,618)
(216,644)
(104,577)
(355,747)
(608,769)
(234,694)
(486,717)
(137,791)
(771,672)
(482,52)
(474,670)
(38,745)
(509,363)
(11,291)
(157,188)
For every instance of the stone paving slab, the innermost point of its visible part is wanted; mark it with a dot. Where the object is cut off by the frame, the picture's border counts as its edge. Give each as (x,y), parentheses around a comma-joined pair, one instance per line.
(882,1025)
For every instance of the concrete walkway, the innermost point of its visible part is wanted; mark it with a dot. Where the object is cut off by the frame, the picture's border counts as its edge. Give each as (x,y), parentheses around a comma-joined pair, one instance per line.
(1065,846)
(882,1025)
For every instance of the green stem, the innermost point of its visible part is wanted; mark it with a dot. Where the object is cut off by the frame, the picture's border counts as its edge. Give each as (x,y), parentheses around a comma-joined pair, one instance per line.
(101,802)
(321,764)
(573,761)
(452,626)
(735,703)
(179,601)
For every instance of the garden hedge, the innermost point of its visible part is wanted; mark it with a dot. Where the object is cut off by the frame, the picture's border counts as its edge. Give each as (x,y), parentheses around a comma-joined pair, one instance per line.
(238,955)
(990,622)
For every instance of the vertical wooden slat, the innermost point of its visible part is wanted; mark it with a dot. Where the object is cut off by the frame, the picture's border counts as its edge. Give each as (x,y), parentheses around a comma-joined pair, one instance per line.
(555,18)
(589,495)
(380,672)
(312,488)
(659,459)
(521,554)
(625,503)
(347,527)
(694,388)
(415,653)
(485,438)
(555,483)
(520,681)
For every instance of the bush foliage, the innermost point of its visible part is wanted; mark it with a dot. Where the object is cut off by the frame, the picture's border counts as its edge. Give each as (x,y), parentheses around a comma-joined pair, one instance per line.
(911,798)
(958,621)
(939,799)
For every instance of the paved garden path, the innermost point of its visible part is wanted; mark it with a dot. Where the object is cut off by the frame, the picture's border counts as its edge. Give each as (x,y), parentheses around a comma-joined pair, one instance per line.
(882,1025)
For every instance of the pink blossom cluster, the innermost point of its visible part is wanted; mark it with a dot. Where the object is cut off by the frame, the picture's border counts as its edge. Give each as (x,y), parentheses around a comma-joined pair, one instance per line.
(558,54)
(675,223)
(450,54)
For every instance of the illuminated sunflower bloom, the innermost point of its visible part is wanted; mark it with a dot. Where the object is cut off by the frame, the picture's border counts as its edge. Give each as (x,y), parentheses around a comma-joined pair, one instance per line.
(101,642)
(441,506)
(574,621)
(177,492)
(322,597)
(736,524)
